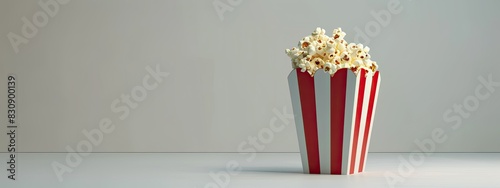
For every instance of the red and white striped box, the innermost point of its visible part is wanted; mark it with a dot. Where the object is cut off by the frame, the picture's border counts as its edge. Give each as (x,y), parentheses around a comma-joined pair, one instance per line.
(334,118)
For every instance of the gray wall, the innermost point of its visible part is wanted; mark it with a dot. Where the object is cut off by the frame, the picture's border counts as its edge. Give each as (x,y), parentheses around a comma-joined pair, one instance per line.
(227,74)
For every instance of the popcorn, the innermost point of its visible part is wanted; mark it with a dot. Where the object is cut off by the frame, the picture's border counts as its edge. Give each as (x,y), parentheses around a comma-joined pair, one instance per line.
(372,65)
(304,43)
(352,47)
(304,65)
(318,62)
(337,60)
(342,45)
(345,57)
(330,68)
(319,51)
(318,31)
(338,34)
(311,49)
(313,67)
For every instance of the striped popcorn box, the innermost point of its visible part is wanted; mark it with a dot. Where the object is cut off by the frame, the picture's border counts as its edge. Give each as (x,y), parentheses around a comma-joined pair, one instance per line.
(334,118)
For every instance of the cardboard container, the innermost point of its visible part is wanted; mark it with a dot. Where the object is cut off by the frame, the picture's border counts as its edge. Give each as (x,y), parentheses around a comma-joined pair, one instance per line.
(334,119)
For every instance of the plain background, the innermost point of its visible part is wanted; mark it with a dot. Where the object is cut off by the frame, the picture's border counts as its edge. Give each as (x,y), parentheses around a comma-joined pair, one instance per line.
(228,75)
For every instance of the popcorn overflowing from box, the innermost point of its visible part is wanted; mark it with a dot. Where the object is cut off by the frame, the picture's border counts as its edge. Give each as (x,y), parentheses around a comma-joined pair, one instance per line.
(334,89)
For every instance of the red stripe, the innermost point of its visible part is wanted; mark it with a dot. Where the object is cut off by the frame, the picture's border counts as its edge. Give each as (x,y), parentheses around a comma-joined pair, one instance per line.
(308,104)
(337,109)
(369,118)
(359,109)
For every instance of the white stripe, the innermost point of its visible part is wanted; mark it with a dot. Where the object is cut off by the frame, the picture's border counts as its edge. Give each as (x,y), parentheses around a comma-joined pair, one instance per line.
(322,95)
(293,84)
(371,123)
(350,107)
(362,123)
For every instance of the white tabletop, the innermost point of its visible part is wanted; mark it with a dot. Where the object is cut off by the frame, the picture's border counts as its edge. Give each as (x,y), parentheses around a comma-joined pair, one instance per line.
(266,170)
